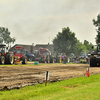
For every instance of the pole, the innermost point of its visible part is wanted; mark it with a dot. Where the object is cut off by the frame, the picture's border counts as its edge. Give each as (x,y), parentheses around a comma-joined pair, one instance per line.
(46,78)
(87,72)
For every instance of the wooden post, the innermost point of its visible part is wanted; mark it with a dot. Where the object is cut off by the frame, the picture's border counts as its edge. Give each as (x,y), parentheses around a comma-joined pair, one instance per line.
(46,78)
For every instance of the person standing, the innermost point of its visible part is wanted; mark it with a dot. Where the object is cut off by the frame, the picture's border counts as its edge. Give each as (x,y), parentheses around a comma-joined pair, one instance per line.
(62,58)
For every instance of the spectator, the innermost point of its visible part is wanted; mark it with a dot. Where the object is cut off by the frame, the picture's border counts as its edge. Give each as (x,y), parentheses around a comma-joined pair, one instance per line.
(81,60)
(62,58)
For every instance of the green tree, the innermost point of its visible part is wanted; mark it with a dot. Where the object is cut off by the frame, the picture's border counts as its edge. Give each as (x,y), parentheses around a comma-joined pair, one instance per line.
(97,25)
(65,41)
(5,36)
(79,47)
(88,45)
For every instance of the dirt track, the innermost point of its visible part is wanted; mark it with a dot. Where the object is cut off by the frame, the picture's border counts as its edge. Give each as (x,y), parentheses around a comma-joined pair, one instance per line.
(14,76)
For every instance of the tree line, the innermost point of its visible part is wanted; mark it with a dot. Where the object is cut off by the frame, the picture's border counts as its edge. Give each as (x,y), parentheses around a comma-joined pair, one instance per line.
(64,41)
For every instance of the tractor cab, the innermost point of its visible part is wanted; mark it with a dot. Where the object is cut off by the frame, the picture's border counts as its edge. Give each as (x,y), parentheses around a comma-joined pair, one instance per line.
(18,51)
(18,55)
(3,49)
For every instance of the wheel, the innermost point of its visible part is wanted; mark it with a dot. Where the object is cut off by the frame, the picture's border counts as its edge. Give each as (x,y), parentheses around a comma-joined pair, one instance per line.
(2,60)
(9,59)
(92,62)
(51,60)
(6,59)
(24,60)
(40,61)
(30,59)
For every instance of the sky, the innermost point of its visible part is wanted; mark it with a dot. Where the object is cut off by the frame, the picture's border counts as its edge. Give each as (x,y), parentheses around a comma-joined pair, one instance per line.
(39,21)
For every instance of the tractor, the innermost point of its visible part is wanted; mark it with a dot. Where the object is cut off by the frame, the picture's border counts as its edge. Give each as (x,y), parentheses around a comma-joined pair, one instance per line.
(5,56)
(19,55)
(30,57)
(95,56)
(43,55)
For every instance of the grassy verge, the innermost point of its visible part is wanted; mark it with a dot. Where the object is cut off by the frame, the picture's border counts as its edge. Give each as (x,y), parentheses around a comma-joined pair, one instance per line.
(81,88)
(32,64)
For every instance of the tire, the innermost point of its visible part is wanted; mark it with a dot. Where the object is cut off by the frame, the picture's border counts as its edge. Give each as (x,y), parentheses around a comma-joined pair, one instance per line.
(40,61)
(51,59)
(6,60)
(9,59)
(2,60)
(24,60)
(30,59)
(92,62)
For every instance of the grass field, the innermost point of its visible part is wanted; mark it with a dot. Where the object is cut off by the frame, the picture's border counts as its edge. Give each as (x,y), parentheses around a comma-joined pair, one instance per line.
(32,64)
(81,88)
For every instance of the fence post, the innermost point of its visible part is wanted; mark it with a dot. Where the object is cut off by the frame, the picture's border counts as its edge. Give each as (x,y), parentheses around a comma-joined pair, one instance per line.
(87,72)
(46,78)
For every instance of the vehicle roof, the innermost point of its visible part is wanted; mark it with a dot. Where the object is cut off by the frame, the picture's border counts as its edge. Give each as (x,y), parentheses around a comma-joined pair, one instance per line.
(1,44)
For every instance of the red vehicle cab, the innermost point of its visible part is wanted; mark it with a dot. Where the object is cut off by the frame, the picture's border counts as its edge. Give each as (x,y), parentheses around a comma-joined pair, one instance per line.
(18,56)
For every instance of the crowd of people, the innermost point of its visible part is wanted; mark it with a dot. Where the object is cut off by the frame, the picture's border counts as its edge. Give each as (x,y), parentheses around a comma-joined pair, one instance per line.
(63,58)
(83,60)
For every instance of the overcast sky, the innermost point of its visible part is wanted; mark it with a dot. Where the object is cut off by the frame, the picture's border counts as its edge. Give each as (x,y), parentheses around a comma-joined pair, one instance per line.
(39,21)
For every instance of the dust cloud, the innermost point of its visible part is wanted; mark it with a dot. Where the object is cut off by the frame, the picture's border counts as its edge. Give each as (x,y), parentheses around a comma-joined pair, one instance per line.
(36,21)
